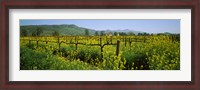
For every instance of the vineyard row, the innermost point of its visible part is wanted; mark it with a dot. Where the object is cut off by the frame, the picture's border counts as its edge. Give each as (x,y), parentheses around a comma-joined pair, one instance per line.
(85,40)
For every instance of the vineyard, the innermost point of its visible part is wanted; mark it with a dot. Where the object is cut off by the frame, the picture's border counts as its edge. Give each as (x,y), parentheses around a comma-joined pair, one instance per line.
(100,53)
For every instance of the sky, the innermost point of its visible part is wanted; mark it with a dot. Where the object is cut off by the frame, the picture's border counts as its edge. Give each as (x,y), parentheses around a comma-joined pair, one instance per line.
(149,26)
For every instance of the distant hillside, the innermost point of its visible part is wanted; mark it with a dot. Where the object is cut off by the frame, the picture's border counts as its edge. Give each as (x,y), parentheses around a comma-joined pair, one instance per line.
(61,29)
(66,29)
(125,31)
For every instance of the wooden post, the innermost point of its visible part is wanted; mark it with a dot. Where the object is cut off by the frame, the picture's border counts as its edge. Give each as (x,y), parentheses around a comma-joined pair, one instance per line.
(76,46)
(102,51)
(101,47)
(130,43)
(117,49)
(59,46)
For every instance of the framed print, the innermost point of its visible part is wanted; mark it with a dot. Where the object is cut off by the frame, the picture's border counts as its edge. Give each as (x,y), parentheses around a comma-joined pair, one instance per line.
(138,45)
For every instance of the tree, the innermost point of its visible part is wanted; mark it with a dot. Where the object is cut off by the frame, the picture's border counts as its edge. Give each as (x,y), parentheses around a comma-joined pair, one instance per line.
(115,33)
(24,32)
(122,34)
(102,33)
(143,34)
(55,33)
(131,34)
(86,32)
(34,33)
(39,31)
(140,34)
(146,34)
(96,33)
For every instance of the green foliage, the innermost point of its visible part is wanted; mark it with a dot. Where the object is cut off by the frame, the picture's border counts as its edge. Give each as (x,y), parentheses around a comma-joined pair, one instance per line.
(96,33)
(40,60)
(112,62)
(62,29)
(115,33)
(102,33)
(86,32)
(39,31)
(122,34)
(34,33)
(23,32)
(157,53)
(131,34)
(164,56)
(55,33)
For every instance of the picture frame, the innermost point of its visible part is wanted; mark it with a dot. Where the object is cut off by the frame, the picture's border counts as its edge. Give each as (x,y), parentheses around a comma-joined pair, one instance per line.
(138,85)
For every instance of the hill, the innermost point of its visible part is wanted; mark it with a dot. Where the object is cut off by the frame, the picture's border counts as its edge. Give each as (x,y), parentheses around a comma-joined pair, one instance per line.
(66,30)
(61,29)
